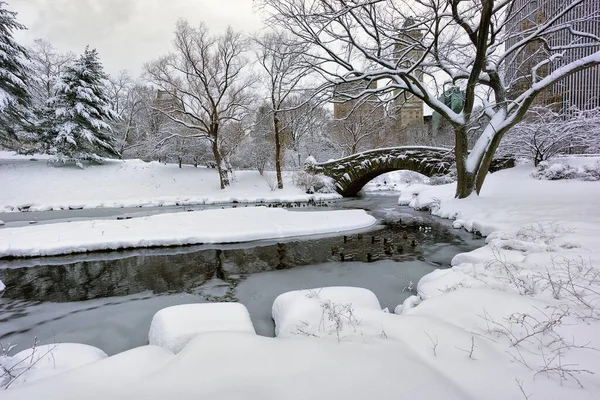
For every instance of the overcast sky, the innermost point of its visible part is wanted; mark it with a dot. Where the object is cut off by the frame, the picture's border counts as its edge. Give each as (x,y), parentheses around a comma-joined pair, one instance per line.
(126,33)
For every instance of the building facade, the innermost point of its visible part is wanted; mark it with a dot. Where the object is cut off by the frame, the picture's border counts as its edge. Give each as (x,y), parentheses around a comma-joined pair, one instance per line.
(580,90)
(408,108)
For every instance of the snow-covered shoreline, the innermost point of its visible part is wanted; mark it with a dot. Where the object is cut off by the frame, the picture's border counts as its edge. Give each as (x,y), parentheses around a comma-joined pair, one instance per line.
(231,225)
(27,185)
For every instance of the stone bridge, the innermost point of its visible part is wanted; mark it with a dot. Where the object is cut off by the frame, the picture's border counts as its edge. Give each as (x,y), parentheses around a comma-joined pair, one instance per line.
(353,172)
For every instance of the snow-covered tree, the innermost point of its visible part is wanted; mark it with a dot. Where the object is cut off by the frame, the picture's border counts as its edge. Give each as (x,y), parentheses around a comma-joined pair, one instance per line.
(399,48)
(305,123)
(545,133)
(282,63)
(132,103)
(14,92)
(205,85)
(79,128)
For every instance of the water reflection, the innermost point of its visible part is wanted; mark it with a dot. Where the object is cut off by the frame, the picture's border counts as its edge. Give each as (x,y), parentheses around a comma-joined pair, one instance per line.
(181,270)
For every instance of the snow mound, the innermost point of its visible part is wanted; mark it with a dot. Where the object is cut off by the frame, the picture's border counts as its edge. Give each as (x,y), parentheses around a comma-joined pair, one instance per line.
(322,312)
(174,327)
(210,226)
(47,360)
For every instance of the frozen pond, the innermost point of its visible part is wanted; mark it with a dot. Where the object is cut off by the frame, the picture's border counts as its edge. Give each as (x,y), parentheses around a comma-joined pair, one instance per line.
(108,299)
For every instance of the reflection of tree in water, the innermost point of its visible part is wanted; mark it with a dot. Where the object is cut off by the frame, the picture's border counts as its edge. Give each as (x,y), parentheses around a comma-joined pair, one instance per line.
(186,271)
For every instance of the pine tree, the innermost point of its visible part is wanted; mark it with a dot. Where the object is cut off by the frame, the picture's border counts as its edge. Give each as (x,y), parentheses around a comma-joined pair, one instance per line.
(14,94)
(80,129)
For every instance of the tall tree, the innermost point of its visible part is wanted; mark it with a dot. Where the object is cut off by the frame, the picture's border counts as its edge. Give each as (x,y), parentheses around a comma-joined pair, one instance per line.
(81,111)
(281,58)
(205,86)
(400,48)
(14,93)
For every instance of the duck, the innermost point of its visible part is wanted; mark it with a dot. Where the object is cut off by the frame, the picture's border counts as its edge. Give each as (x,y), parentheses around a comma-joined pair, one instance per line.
(346,257)
(400,249)
(359,236)
(347,239)
(414,243)
(375,239)
(404,235)
(372,257)
(334,250)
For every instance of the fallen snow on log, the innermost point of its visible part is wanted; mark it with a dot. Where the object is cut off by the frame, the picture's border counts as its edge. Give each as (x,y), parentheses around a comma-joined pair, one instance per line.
(174,327)
(209,226)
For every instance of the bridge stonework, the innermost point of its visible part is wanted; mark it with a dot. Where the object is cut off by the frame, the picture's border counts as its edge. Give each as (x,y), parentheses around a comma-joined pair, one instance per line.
(353,172)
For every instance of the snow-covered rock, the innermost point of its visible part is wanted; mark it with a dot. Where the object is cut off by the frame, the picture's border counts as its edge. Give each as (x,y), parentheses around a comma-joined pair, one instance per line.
(322,311)
(174,327)
(408,304)
(47,360)
(209,226)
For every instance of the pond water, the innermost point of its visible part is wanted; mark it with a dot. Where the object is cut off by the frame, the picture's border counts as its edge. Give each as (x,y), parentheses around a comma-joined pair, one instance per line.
(108,299)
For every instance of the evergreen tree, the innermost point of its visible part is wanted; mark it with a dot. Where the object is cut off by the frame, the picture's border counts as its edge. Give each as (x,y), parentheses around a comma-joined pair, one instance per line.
(14,94)
(79,130)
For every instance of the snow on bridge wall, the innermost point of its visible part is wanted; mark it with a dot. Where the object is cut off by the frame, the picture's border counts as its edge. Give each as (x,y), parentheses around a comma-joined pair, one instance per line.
(353,172)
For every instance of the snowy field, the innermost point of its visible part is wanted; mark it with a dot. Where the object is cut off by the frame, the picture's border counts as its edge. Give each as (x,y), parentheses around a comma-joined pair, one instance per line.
(516,319)
(230,225)
(38,186)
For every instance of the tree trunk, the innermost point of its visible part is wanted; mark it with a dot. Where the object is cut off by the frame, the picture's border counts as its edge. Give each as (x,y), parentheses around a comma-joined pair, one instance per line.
(223,177)
(277,151)
(180,161)
(465,184)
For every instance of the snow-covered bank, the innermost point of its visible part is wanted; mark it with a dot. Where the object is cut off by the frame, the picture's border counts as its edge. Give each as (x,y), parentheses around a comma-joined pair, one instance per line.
(534,289)
(209,226)
(38,186)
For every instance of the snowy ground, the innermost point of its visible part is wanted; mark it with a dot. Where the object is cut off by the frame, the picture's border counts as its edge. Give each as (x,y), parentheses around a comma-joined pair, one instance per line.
(230,225)
(394,181)
(516,319)
(38,186)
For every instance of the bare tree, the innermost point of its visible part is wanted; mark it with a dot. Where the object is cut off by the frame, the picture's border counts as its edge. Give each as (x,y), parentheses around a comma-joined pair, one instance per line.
(205,85)
(357,131)
(545,133)
(47,66)
(130,100)
(401,47)
(283,63)
(303,119)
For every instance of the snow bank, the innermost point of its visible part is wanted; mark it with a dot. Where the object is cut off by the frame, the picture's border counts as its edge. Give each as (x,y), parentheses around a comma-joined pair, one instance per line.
(174,327)
(208,226)
(38,186)
(534,288)
(233,366)
(47,360)
(331,311)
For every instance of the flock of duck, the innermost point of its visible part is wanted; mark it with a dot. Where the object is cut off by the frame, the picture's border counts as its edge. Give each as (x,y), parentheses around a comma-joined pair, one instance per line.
(388,246)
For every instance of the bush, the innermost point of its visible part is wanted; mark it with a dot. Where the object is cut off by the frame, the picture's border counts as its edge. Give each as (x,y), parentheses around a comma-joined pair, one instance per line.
(562,170)
(317,183)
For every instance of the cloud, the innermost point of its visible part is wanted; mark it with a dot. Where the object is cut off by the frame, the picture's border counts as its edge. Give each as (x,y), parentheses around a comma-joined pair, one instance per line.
(126,33)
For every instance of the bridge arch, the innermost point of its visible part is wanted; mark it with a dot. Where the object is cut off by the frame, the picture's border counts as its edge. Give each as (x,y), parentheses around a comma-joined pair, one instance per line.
(353,172)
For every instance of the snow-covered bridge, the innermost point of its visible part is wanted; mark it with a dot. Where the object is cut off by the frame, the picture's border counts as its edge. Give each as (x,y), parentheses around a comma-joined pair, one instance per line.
(353,172)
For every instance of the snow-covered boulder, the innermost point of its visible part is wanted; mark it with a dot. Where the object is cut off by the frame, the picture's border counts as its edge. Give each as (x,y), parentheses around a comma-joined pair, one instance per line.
(410,303)
(172,328)
(322,312)
(48,360)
